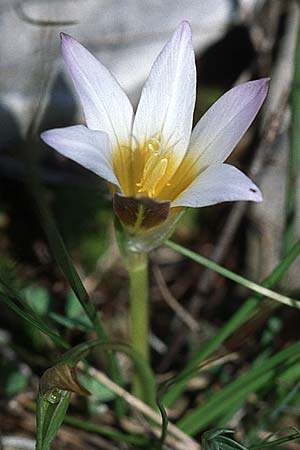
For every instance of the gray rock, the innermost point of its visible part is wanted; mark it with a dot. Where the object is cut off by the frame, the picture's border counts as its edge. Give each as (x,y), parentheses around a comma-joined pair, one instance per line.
(125,35)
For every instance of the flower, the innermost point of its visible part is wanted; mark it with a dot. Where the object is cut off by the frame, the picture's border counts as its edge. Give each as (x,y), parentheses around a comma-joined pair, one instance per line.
(154,162)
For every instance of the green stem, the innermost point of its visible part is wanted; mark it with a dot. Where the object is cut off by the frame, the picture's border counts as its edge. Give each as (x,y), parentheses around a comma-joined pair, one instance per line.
(139,310)
(293,161)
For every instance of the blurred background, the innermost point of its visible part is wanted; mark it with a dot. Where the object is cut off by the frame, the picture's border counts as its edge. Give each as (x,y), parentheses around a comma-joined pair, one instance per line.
(234,41)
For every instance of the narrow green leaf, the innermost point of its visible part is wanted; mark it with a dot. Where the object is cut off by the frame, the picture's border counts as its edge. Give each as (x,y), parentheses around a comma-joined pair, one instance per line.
(283,440)
(64,261)
(17,302)
(219,439)
(293,169)
(257,288)
(50,414)
(30,317)
(105,431)
(241,316)
(254,379)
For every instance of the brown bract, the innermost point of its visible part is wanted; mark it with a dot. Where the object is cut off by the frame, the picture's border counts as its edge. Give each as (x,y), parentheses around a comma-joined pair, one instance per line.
(61,377)
(140,212)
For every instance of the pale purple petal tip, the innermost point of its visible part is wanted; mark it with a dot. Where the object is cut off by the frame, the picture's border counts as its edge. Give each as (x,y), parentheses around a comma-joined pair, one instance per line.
(257,88)
(217,184)
(223,125)
(66,39)
(185,27)
(105,105)
(67,42)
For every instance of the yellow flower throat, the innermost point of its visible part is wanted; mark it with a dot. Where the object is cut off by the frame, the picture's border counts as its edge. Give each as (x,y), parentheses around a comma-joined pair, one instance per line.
(150,170)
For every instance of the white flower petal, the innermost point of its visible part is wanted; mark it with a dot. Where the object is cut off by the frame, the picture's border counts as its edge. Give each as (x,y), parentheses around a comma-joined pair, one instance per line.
(223,125)
(106,106)
(217,184)
(91,149)
(168,97)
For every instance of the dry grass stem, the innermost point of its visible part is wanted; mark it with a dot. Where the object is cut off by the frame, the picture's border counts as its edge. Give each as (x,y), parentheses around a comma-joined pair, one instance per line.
(181,442)
(171,301)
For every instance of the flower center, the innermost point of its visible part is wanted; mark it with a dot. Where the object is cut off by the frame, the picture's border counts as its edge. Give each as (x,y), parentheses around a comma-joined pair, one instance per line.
(151,169)
(155,167)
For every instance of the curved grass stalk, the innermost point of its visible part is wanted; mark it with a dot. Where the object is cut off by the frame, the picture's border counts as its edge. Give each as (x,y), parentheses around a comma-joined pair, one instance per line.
(255,287)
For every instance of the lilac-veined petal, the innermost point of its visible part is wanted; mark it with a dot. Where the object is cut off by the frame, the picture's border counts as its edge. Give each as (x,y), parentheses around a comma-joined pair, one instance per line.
(105,105)
(91,149)
(223,125)
(217,184)
(167,102)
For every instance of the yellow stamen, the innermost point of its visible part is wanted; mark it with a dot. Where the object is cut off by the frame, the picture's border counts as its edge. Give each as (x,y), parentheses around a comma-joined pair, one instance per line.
(154,170)
(151,170)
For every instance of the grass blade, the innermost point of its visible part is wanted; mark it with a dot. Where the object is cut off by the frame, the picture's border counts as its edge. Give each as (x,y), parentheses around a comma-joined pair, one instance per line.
(238,390)
(49,417)
(257,288)
(105,431)
(64,261)
(18,304)
(240,317)
(294,158)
